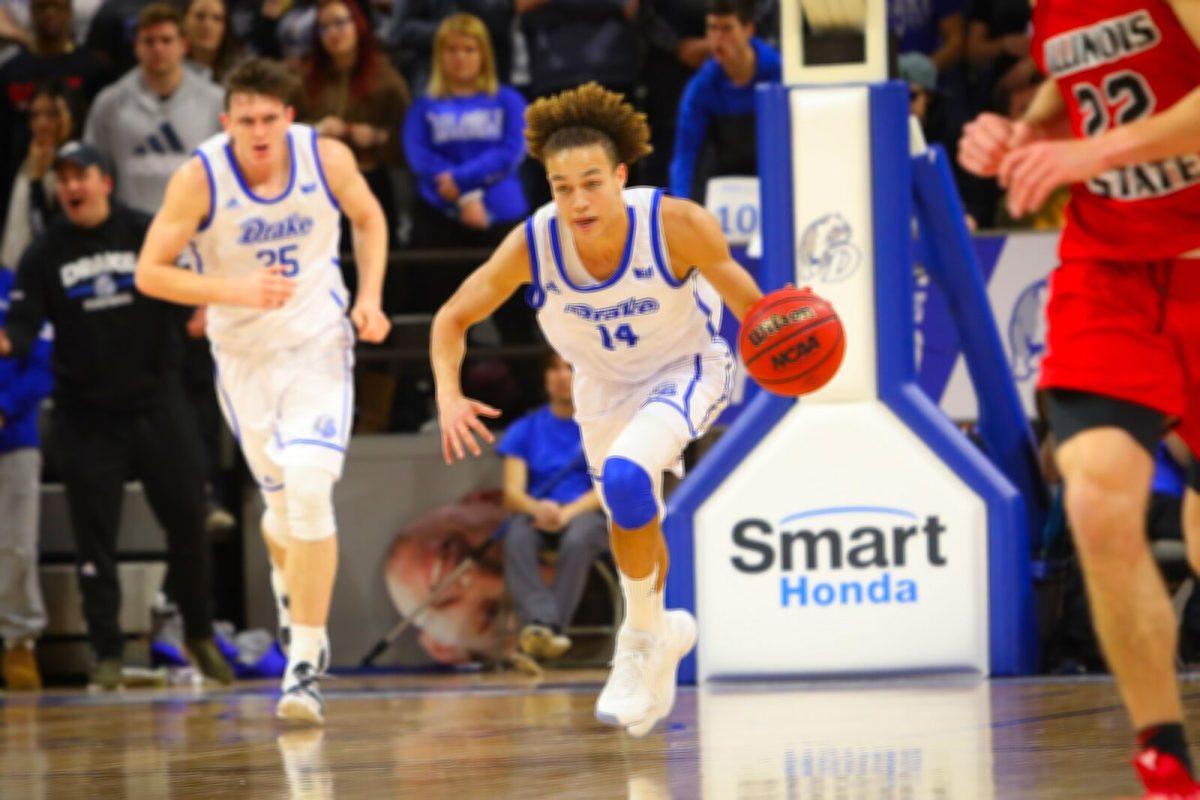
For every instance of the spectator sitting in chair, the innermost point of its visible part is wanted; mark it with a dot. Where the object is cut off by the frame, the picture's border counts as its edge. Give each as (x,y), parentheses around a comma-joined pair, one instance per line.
(546,485)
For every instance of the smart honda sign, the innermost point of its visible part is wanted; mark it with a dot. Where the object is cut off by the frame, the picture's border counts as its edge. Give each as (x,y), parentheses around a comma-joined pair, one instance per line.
(871,561)
(864,554)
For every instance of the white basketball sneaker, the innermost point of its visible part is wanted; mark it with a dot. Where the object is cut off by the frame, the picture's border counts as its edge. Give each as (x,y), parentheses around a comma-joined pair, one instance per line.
(641,687)
(301,701)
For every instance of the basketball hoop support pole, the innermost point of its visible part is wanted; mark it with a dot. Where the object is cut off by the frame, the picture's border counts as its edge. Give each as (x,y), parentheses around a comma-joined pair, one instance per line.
(884,374)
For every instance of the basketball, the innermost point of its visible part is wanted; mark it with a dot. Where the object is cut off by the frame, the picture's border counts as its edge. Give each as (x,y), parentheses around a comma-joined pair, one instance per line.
(792,342)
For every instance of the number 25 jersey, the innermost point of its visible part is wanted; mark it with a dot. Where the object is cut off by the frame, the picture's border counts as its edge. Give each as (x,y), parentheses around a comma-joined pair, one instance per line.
(298,231)
(1115,62)
(629,327)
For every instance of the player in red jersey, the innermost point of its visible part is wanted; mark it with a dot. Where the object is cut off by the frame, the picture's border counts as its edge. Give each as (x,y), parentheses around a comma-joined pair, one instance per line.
(1119,121)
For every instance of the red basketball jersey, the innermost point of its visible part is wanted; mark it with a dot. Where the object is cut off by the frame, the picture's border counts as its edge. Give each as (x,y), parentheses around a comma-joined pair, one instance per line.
(1117,61)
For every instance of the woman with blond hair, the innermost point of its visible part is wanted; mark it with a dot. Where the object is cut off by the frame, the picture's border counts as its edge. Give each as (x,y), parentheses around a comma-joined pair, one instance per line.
(464,140)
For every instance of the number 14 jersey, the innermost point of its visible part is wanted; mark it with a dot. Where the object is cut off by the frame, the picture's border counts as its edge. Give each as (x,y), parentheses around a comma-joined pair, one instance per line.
(1115,62)
(298,230)
(629,327)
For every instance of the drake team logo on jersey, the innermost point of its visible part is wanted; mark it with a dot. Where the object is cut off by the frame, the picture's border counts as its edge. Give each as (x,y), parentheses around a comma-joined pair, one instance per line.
(826,252)
(257,230)
(633,307)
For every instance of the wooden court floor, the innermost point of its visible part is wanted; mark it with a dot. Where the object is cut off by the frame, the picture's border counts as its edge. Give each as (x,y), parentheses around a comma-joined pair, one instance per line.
(502,736)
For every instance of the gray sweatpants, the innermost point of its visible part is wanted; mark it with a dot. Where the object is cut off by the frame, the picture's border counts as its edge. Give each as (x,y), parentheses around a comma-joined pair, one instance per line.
(21,611)
(579,544)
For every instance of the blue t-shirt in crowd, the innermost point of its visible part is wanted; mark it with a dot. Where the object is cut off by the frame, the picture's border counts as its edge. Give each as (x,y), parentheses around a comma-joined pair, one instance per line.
(1169,477)
(549,445)
(709,93)
(915,23)
(480,140)
(24,382)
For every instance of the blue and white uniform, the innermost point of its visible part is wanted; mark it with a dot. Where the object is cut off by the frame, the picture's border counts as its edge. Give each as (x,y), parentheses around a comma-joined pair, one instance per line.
(284,375)
(643,343)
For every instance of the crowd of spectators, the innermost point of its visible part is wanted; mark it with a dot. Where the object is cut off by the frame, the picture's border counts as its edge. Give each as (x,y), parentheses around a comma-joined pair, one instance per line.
(430,96)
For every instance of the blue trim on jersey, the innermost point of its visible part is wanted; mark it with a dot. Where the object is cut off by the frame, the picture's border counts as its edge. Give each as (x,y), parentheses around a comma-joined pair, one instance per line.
(347,381)
(616,276)
(237,173)
(687,395)
(336,299)
(266,488)
(535,295)
(321,173)
(212,193)
(199,260)
(656,244)
(704,309)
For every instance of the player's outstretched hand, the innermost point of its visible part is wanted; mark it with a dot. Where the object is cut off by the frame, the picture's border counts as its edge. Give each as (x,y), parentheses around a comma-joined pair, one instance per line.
(459,420)
(266,288)
(370,321)
(987,139)
(1031,173)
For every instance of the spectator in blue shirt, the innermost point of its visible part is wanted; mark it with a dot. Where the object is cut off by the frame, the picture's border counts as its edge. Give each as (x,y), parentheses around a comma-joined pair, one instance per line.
(24,382)
(464,140)
(718,103)
(547,487)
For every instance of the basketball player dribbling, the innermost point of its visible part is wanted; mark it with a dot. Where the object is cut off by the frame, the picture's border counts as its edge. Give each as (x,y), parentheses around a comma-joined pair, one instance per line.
(627,285)
(1119,121)
(257,211)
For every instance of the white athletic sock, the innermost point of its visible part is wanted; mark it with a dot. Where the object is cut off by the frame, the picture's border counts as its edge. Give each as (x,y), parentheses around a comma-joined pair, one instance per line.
(643,603)
(307,643)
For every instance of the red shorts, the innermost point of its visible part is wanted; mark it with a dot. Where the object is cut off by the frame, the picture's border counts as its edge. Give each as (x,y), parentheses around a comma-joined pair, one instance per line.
(1129,330)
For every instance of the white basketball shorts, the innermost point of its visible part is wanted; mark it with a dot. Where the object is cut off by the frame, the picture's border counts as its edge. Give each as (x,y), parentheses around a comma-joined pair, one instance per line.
(290,407)
(684,397)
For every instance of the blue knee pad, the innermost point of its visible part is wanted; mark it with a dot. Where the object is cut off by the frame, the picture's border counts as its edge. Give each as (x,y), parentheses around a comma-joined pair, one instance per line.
(629,493)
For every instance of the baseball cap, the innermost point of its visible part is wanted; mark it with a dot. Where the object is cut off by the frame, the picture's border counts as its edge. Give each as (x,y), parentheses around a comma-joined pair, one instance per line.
(918,68)
(81,155)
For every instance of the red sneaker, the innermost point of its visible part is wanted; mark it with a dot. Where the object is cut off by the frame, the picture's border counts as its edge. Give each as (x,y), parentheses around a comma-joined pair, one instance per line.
(1165,777)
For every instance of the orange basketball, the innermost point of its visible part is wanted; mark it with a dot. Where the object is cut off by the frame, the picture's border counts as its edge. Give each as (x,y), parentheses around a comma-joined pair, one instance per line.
(792,342)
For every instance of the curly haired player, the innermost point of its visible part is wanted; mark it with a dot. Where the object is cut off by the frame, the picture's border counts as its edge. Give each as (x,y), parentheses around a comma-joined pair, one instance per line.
(627,285)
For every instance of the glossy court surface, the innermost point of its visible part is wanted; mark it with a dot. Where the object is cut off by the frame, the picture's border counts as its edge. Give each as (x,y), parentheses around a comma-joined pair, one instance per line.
(499,736)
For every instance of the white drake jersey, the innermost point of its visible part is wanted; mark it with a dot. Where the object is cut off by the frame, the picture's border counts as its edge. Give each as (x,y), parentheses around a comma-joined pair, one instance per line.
(629,327)
(298,230)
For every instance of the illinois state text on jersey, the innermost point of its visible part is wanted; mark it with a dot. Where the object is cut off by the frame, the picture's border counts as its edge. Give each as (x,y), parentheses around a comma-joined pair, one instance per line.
(1115,62)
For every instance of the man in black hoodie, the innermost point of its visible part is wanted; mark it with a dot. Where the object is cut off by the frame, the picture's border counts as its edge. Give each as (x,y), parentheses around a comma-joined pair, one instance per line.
(119,406)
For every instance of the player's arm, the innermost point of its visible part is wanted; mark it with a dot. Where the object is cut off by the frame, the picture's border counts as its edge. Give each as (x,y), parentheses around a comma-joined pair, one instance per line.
(477,298)
(1031,173)
(696,241)
(184,208)
(988,138)
(1173,132)
(369,233)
